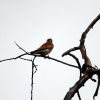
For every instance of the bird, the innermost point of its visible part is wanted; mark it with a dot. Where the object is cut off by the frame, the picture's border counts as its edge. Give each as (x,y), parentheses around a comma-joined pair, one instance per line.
(44,49)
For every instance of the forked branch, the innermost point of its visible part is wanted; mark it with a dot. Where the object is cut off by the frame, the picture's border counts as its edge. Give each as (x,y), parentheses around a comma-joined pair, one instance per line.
(89,71)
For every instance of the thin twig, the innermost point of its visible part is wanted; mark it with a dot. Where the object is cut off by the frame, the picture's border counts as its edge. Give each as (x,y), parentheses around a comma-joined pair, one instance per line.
(78,95)
(21,48)
(70,50)
(62,62)
(25,59)
(33,65)
(97,89)
(77,60)
(13,58)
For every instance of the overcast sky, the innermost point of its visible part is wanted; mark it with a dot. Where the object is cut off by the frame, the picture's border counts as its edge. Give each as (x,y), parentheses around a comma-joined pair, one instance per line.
(30,23)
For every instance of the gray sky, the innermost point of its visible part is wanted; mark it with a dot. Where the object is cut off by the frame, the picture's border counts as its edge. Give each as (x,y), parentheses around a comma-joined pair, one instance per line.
(30,23)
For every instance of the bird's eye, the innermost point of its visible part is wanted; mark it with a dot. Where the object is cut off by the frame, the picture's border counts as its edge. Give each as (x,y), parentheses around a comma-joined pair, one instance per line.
(49,40)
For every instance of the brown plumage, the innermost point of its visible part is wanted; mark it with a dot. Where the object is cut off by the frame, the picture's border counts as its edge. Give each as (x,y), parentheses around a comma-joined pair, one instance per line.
(44,49)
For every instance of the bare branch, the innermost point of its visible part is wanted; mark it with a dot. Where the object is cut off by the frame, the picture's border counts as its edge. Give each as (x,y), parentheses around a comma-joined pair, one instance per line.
(33,65)
(62,62)
(26,53)
(21,48)
(77,60)
(88,70)
(84,54)
(89,27)
(97,89)
(72,49)
(78,95)
(80,83)
(13,58)
(82,41)
(39,56)
(25,59)
(68,53)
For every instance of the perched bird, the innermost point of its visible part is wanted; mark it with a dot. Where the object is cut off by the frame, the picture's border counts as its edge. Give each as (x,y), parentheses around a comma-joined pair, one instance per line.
(44,49)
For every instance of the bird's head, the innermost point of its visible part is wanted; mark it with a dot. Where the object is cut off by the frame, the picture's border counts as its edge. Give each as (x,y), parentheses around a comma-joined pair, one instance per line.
(49,40)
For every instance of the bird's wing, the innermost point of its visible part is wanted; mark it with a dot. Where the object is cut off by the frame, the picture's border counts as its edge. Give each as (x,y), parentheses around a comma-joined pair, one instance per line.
(46,46)
(43,47)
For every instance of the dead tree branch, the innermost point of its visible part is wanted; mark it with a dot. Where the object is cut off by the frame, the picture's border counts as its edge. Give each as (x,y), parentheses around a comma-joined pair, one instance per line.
(87,69)
(21,48)
(14,58)
(97,89)
(77,60)
(80,83)
(70,50)
(78,95)
(62,62)
(33,66)
(26,59)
